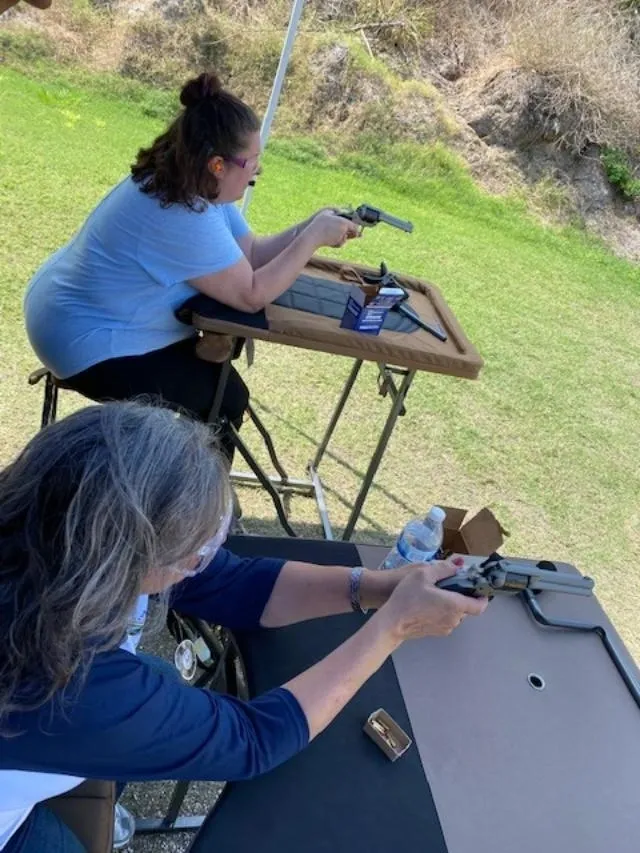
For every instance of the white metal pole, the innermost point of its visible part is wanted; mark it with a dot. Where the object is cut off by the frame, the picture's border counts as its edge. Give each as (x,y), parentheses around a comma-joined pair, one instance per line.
(287,48)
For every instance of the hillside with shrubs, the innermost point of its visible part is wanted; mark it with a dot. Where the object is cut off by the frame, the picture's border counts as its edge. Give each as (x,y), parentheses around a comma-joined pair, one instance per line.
(539,100)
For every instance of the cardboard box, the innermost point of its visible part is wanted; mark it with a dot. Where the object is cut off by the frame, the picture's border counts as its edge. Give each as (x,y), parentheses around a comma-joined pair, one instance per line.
(480,535)
(367,307)
(387,734)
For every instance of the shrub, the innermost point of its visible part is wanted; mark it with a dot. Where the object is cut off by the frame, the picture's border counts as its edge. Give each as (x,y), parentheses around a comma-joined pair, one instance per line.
(149,54)
(620,173)
(27,46)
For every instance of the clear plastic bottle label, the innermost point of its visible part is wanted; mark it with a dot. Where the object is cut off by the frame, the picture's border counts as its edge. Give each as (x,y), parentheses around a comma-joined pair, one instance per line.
(414,555)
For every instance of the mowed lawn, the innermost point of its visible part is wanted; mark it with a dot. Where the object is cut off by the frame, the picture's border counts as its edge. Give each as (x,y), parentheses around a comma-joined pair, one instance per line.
(549,436)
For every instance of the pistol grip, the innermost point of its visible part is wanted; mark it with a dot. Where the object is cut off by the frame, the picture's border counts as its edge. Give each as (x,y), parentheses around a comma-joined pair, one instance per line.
(459,584)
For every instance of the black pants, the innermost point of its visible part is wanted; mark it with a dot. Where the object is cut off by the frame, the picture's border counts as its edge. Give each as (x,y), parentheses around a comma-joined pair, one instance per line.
(175,375)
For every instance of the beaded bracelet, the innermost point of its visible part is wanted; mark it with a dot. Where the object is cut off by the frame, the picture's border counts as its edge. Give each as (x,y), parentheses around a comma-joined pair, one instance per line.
(354,589)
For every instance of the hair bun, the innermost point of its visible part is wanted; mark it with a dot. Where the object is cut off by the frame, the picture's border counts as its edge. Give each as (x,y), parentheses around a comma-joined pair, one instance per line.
(207,85)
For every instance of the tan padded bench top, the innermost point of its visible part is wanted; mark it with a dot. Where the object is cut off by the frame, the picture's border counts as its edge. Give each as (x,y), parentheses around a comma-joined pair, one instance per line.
(416,350)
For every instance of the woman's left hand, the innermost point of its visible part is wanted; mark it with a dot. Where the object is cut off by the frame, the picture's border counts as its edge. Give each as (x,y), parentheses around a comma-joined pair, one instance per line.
(313,216)
(378,585)
(323,210)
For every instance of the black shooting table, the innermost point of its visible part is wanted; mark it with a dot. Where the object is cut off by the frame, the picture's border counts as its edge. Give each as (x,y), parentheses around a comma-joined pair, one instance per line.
(400,351)
(496,766)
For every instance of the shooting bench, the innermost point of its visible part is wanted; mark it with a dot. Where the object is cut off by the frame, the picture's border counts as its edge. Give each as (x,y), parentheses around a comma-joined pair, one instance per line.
(399,352)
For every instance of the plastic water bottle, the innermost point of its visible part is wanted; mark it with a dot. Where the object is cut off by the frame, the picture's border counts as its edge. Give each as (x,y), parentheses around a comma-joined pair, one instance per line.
(419,542)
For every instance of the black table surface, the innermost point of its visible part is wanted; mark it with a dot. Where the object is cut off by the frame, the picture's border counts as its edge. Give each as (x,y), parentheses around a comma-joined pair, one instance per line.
(341,793)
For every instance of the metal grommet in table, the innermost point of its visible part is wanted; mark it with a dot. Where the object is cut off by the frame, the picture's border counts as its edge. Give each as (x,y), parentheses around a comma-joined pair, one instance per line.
(536,681)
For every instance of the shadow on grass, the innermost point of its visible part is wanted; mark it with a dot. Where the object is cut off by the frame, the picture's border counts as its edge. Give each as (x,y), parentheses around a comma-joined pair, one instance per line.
(336,458)
(380,533)
(260,526)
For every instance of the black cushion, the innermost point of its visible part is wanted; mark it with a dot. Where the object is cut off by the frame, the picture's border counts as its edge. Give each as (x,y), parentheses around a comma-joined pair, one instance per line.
(313,295)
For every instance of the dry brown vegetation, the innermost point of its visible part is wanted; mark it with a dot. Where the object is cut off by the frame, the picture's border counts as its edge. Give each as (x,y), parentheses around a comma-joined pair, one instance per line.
(555,72)
(589,55)
(352,53)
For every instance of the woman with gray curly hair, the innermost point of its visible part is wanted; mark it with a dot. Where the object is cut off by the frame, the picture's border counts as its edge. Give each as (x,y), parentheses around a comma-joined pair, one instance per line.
(100,511)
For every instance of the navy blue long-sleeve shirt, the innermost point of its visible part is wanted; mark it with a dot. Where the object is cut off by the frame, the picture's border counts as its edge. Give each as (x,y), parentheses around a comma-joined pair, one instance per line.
(129,721)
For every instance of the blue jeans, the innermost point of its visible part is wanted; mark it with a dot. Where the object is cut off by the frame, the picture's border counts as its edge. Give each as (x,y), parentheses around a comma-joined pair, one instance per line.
(43,831)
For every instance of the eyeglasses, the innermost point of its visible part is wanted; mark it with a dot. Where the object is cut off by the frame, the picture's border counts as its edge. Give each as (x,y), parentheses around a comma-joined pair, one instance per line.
(207,552)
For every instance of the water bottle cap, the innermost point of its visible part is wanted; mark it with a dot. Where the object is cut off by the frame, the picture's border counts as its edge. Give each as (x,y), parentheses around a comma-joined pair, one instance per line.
(437,514)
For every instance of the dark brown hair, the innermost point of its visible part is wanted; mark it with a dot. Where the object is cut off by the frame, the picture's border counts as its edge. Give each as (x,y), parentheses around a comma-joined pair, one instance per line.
(213,122)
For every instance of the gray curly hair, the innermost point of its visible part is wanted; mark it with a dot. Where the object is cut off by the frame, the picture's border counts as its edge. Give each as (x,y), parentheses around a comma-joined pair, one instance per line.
(92,505)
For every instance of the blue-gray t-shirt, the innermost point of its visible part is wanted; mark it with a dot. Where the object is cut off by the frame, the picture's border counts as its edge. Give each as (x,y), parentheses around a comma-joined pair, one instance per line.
(113,289)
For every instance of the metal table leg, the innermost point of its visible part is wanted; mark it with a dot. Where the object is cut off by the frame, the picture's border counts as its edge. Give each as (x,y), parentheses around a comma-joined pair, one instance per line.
(268,443)
(262,477)
(398,403)
(151,826)
(321,503)
(214,417)
(337,412)
(214,414)
(316,482)
(274,485)
(50,408)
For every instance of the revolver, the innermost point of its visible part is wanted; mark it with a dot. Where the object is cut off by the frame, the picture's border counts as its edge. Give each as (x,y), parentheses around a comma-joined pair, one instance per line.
(507,577)
(365,215)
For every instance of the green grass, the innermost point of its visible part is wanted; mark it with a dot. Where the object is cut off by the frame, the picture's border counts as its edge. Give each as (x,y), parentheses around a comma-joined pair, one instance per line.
(548,436)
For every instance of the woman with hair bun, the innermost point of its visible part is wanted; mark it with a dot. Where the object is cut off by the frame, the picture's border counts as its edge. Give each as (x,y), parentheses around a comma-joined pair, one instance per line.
(100,311)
